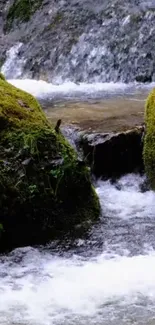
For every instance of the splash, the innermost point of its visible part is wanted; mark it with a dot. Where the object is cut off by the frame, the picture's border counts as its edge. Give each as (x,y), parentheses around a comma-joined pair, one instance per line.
(12,68)
(114,286)
(44,90)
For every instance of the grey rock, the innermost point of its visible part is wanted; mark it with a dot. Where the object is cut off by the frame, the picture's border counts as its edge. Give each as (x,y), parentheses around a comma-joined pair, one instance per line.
(84,41)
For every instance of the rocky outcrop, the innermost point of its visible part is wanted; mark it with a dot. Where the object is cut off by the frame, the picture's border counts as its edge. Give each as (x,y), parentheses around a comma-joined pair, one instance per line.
(112,155)
(149,140)
(72,39)
(44,189)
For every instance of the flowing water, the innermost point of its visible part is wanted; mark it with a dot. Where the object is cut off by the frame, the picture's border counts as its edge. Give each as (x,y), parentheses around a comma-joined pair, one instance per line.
(102,107)
(105,278)
(81,41)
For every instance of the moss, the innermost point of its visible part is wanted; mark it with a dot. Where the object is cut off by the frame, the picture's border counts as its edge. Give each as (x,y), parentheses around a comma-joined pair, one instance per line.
(2,60)
(149,140)
(21,11)
(44,189)
(1,229)
(2,76)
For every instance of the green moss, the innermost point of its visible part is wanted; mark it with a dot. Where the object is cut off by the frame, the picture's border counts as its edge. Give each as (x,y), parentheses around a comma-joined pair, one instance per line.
(21,11)
(149,141)
(1,229)
(44,189)
(1,76)
(2,60)
(18,111)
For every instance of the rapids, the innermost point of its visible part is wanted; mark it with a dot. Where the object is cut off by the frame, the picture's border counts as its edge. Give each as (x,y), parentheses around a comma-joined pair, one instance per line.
(107,277)
(99,107)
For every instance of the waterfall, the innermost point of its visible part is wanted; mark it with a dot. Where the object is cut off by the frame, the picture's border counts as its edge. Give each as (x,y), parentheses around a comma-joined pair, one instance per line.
(85,42)
(12,68)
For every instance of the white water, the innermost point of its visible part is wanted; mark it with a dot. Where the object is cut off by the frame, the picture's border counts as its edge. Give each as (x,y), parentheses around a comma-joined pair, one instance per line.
(13,68)
(13,65)
(43,90)
(106,278)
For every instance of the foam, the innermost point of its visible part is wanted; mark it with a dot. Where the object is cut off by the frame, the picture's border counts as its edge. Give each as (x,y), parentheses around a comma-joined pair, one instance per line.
(125,200)
(41,288)
(43,90)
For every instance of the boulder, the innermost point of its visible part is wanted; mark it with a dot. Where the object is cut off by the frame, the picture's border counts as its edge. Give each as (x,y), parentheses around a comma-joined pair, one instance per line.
(45,191)
(149,140)
(113,154)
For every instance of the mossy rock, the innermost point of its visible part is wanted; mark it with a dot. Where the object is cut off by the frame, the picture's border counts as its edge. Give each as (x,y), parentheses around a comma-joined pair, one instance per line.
(149,140)
(2,76)
(45,190)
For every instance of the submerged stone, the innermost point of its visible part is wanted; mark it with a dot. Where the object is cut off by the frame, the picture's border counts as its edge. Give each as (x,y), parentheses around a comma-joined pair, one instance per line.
(44,190)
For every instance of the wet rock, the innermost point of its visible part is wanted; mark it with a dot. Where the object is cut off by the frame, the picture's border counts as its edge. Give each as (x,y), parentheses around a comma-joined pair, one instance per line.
(113,154)
(143,78)
(44,190)
(74,41)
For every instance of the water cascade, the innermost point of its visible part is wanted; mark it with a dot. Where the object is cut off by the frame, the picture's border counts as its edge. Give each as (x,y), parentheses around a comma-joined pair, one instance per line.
(98,54)
(83,41)
(107,277)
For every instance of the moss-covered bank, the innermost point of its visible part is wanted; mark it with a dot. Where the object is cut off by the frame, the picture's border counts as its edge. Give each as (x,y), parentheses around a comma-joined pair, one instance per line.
(149,141)
(44,188)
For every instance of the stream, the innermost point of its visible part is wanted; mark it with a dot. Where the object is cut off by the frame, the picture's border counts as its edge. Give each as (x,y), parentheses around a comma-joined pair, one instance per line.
(105,278)
(94,54)
(96,107)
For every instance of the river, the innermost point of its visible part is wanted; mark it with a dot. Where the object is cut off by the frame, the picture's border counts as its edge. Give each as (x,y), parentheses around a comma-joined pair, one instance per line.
(107,277)
(103,107)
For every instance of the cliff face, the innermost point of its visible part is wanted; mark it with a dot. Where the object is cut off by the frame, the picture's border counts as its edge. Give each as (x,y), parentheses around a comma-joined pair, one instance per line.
(82,41)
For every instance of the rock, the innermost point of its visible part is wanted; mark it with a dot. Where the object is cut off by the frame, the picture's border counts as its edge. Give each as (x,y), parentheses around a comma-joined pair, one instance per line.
(143,78)
(149,139)
(2,77)
(44,190)
(72,39)
(114,154)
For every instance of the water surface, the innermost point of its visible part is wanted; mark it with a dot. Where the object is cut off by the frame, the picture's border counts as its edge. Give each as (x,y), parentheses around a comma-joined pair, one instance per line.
(107,277)
(102,107)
